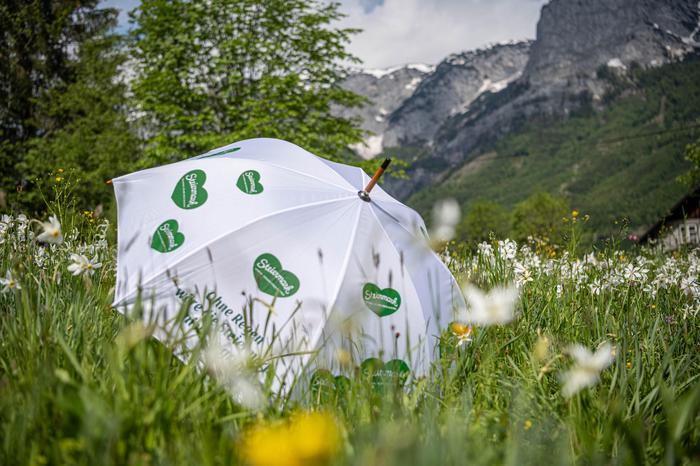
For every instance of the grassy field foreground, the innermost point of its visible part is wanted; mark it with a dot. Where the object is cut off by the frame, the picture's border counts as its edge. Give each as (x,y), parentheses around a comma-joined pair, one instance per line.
(80,384)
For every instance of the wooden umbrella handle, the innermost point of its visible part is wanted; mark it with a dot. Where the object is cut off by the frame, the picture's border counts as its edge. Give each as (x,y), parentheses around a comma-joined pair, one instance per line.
(378,174)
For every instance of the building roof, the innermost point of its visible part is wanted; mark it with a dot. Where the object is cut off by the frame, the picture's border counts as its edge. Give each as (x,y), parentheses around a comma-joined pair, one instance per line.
(688,206)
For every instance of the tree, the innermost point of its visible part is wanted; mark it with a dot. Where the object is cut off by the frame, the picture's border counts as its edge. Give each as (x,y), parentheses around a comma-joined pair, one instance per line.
(86,131)
(209,73)
(483,220)
(37,56)
(692,155)
(540,216)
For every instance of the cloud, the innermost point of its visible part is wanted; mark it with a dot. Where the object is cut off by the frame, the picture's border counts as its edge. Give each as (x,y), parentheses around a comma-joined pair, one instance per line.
(426,31)
(396,32)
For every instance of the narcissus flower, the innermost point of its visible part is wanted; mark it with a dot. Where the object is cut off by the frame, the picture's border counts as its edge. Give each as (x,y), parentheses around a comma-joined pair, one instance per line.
(495,307)
(464,333)
(234,369)
(82,264)
(9,283)
(52,231)
(587,368)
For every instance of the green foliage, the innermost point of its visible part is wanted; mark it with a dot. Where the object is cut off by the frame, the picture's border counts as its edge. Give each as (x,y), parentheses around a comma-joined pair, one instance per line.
(617,165)
(209,73)
(540,216)
(484,221)
(38,40)
(87,133)
(692,155)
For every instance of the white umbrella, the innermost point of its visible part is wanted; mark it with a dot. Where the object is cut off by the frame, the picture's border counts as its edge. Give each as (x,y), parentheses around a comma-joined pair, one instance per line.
(263,222)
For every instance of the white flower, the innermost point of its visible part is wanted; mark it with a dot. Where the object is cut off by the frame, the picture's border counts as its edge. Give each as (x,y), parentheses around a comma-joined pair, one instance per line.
(634,274)
(52,231)
(690,286)
(485,249)
(493,308)
(596,287)
(446,215)
(232,369)
(587,368)
(82,264)
(9,283)
(523,274)
(507,249)
(559,290)
(690,310)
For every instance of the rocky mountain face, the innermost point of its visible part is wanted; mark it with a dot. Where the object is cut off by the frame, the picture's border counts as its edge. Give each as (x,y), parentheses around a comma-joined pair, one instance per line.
(407,105)
(450,90)
(385,91)
(577,43)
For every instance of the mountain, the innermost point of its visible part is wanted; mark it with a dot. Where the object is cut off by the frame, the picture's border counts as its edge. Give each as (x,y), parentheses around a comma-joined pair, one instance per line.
(407,105)
(618,164)
(578,44)
(451,88)
(385,91)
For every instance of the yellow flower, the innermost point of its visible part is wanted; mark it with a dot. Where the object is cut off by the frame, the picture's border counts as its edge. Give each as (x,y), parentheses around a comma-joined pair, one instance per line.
(527,425)
(574,213)
(59,179)
(629,365)
(541,349)
(307,439)
(60,170)
(462,332)
(343,357)
(459,329)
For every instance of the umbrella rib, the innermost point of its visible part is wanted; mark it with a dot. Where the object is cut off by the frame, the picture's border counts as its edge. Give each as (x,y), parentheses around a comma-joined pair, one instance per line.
(408,272)
(440,262)
(341,276)
(350,188)
(197,250)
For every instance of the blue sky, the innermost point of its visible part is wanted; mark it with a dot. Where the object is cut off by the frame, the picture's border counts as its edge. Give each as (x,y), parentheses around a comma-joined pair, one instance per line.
(396,32)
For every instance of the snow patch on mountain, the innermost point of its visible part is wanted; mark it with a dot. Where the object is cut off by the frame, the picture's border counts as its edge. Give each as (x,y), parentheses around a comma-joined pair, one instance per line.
(370,148)
(414,83)
(497,86)
(381,72)
(616,63)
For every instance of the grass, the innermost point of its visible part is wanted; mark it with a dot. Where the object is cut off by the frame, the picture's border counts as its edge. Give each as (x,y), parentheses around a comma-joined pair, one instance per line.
(81,384)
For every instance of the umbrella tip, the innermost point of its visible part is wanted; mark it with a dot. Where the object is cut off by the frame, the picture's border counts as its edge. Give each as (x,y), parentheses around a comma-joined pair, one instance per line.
(386,163)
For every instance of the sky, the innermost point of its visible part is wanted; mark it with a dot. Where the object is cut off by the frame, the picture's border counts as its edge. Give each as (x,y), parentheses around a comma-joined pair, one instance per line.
(397,32)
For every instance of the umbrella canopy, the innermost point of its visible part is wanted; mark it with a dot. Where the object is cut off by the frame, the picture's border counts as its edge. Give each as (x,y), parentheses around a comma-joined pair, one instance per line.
(276,245)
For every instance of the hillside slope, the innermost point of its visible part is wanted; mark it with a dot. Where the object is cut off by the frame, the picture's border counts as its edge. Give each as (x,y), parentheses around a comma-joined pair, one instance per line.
(619,162)
(574,40)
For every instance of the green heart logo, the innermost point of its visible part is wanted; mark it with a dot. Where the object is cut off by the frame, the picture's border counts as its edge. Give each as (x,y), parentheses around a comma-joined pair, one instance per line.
(272,279)
(189,192)
(382,302)
(166,238)
(383,374)
(249,182)
(326,388)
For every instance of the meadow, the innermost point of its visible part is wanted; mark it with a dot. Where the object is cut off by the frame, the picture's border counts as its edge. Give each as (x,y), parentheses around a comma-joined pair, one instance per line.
(598,364)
